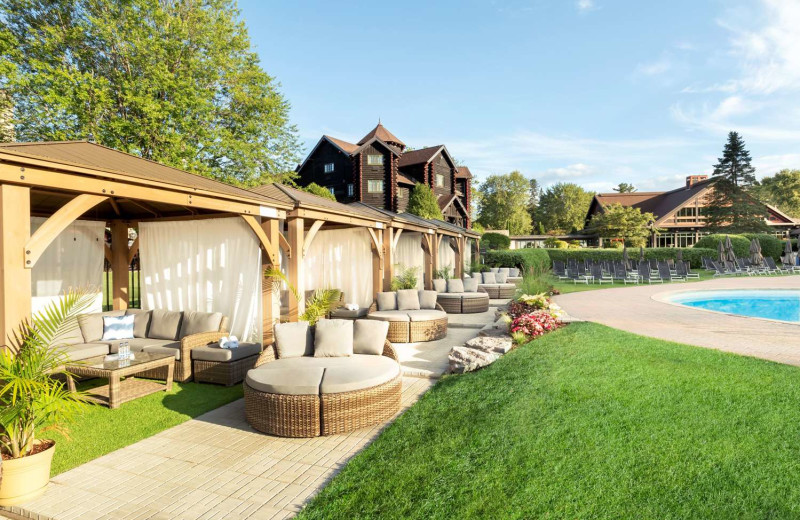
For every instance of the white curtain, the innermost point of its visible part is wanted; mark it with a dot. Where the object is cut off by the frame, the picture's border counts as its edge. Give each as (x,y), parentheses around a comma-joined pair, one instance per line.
(409,253)
(210,265)
(341,259)
(468,245)
(74,259)
(447,257)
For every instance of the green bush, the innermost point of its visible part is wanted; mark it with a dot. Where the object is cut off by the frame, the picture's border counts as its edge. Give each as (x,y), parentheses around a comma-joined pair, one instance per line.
(524,259)
(770,246)
(693,255)
(495,241)
(555,243)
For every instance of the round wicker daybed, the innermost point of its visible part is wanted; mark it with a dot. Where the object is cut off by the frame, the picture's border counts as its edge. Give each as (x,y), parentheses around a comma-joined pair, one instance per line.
(463,303)
(304,404)
(413,325)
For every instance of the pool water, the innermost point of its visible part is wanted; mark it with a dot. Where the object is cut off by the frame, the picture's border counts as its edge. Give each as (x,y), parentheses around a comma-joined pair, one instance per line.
(783,305)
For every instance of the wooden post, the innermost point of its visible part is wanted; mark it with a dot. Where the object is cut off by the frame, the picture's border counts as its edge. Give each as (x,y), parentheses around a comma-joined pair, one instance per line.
(119,264)
(377,263)
(296,271)
(388,258)
(459,252)
(15,280)
(437,239)
(428,262)
(268,296)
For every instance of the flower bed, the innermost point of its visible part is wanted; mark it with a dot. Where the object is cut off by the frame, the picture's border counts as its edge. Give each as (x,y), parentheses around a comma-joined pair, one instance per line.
(533,316)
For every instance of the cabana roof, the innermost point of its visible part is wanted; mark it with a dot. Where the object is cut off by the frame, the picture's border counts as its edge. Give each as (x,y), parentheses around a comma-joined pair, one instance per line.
(438,226)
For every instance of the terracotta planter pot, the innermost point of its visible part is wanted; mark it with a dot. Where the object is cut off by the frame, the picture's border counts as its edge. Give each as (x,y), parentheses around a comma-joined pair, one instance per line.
(26,478)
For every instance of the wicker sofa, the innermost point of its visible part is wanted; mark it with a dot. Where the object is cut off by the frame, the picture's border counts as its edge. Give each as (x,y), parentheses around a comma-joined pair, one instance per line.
(412,315)
(159,331)
(490,284)
(512,274)
(460,296)
(295,392)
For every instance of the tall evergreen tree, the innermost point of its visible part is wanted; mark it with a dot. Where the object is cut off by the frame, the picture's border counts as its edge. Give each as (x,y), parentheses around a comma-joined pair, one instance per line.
(535,195)
(624,187)
(730,207)
(176,82)
(422,203)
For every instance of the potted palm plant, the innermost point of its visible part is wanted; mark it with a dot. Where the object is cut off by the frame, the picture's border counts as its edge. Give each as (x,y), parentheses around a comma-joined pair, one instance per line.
(33,399)
(318,305)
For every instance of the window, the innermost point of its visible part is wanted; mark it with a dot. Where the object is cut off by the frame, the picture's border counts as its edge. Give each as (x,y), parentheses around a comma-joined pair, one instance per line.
(332,191)
(375,160)
(439,180)
(349,190)
(375,186)
(328,167)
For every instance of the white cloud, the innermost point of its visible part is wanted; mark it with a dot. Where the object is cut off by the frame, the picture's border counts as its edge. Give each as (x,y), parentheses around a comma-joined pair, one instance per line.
(584,6)
(571,171)
(655,68)
(772,164)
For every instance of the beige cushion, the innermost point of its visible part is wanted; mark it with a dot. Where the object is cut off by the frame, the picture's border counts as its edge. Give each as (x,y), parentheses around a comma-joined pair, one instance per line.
(91,325)
(286,380)
(471,285)
(427,299)
(293,339)
(440,285)
(513,272)
(504,270)
(448,296)
(387,301)
(196,322)
(164,346)
(489,278)
(426,315)
(501,276)
(369,336)
(475,296)
(141,322)
(363,373)
(214,352)
(407,299)
(135,344)
(81,351)
(333,338)
(389,316)
(165,324)
(455,286)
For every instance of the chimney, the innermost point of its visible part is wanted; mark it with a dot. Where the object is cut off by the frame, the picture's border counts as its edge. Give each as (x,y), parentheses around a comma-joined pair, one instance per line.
(694,179)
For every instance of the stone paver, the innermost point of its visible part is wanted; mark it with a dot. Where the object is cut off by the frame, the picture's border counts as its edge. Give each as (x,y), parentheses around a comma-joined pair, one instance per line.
(638,310)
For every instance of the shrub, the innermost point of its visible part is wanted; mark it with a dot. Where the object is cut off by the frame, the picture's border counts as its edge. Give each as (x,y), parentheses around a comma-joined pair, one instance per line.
(495,241)
(406,278)
(555,243)
(741,245)
(770,245)
(523,259)
(422,203)
(319,191)
(693,255)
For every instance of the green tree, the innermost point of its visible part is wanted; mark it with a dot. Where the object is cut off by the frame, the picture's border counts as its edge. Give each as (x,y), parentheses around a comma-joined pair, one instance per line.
(624,187)
(176,82)
(540,228)
(730,207)
(563,207)
(781,190)
(504,203)
(533,201)
(422,203)
(628,223)
(319,191)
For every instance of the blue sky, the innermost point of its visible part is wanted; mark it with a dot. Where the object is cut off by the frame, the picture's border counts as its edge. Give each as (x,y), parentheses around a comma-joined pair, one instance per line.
(588,91)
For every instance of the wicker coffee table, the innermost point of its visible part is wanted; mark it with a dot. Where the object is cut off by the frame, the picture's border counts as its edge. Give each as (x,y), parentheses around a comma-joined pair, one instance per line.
(122,388)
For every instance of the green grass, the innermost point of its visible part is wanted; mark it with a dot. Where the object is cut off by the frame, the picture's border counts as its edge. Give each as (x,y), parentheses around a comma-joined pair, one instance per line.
(587,422)
(100,430)
(567,286)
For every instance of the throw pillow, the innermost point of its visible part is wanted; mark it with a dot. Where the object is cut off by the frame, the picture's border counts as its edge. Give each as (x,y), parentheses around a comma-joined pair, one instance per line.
(293,339)
(165,324)
(513,272)
(503,270)
(489,278)
(91,325)
(427,299)
(471,285)
(500,277)
(369,336)
(333,338)
(141,322)
(387,301)
(196,322)
(494,269)
(455,286)
(440,285)
(408,300)
(117,327)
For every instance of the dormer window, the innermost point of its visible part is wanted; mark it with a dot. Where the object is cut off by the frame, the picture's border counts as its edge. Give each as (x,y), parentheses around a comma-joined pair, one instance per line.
(329,167)
(439,180)
(375,160)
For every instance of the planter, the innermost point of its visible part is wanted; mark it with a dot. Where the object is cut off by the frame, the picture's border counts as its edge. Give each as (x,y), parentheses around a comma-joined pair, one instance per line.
(26,478)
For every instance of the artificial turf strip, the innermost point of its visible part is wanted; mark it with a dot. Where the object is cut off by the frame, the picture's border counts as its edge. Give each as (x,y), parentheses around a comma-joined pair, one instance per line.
(100,430)
(587,422)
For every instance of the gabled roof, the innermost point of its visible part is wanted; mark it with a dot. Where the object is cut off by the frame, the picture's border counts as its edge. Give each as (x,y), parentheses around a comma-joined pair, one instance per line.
(383,134)
(84,154)
(421,156)
(659,204)
(463,173)
(343,145)
(404,179)
(445,202)
(300,198)
(438,225)
(395,150)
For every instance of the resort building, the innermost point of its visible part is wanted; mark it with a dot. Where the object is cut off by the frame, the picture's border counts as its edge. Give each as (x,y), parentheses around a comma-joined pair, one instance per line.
(679,212)
(379,170)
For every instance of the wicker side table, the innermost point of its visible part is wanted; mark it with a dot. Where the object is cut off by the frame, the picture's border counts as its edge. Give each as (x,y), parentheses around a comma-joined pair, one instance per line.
(122,388)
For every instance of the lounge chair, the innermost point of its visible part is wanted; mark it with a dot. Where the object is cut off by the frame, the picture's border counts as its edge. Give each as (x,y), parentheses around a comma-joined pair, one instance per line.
(560,270)
(599,277)
(620,274)
(708,264)
(645,275)
(772,268)
(665,274)
(684,270)
(577,277)
(720,270)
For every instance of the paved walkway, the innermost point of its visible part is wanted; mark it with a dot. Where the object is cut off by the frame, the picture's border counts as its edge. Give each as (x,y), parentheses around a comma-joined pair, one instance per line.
(638,310)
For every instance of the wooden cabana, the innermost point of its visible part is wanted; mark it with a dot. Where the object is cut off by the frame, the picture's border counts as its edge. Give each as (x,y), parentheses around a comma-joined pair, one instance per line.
(66,181)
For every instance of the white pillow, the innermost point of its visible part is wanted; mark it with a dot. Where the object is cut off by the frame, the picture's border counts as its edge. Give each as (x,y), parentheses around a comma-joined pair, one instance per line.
(117,327)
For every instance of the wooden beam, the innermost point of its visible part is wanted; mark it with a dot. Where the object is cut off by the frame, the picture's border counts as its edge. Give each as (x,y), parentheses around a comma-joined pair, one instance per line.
(143,205)
(396,239)
(269,298)
(377,246)
(457,245)
(119,264)
(107,252)
(296,268)
(336,217)
(427,248)
(266,245)
(310,234)
(377,261)
(115,207)
(388,256)
(57,223)
(133,250)
(15,279)
(284,244)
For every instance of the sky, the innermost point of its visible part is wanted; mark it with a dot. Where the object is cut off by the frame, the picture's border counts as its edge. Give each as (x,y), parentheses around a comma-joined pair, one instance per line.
(594,92)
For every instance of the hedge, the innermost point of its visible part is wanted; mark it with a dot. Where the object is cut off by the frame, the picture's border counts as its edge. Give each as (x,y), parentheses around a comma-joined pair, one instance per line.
(525,258)
(493,241)
(770,246)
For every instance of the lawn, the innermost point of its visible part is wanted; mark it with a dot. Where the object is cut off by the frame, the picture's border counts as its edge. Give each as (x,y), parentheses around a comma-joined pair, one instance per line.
(100,430)
(587,422)
(567,286)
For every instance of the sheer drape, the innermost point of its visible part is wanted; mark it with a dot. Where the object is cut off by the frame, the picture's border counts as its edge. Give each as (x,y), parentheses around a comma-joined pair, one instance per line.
(211,265)
(341,259)
(408,253)
(447,257)
(74,259)
(468,244)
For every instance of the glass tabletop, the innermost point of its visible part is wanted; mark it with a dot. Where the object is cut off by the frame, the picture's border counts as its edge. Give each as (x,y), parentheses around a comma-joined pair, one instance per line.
(101,363)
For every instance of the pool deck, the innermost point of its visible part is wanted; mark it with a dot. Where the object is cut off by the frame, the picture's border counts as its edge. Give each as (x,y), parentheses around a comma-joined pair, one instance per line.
(638,310)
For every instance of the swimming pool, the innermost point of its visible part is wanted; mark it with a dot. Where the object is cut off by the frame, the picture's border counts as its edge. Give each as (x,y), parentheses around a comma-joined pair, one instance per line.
(778,304)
